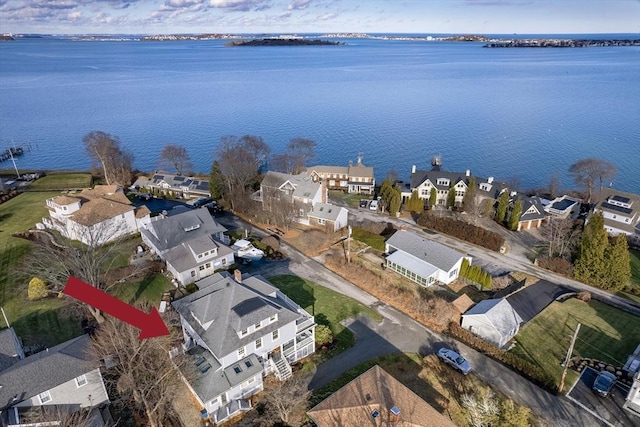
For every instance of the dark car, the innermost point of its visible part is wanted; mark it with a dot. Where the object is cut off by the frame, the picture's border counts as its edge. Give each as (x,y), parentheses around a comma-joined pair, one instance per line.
(452,358)
(364,203)
(213,207)
(604,383)
(202,201)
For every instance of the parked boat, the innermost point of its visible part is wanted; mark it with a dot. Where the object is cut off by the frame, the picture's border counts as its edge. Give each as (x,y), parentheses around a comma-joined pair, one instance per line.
(244,249)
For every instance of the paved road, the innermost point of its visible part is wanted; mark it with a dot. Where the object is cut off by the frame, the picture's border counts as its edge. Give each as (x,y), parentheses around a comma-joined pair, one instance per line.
(398,332)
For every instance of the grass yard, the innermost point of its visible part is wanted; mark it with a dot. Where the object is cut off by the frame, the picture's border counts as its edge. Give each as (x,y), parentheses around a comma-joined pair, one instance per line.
(376,241)
(65,181)
(49,321)
(635,267)
(149,289)
(328,307)
(606,334)
(436,383)
(352,200)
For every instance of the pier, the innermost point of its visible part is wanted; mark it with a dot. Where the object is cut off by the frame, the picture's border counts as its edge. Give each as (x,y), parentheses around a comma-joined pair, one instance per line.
(10,153)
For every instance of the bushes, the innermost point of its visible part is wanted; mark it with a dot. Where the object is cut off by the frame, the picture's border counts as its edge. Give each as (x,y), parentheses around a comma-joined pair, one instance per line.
(462,230)
(376,241)
(324,336)
(525,368)
(37,289)
(559,265)
(476,274)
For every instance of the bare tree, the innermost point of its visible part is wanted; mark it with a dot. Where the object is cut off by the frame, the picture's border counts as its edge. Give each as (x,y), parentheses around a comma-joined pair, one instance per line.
(561,235)
(61,416)
(94,262)
(286,397)
(142,371)
(587,172)
(303,151)
(175,156)
(239,160)
(279,207)
(104,150)
(285,163)
(482,409)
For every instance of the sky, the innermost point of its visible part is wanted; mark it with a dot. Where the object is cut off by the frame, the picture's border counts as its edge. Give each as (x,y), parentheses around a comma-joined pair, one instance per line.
(319,16)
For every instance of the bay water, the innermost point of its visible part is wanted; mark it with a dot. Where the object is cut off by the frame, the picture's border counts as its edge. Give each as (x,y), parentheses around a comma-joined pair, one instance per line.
(524,113)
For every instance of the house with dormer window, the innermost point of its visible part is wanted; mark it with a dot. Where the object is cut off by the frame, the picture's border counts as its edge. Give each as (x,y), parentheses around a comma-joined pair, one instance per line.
(236,331)
(621,213)
(183,186)
(191,243)
(533,211)
(355,178)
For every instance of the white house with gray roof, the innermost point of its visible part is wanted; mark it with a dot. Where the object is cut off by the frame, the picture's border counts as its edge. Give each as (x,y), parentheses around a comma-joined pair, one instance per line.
(421,260)
(192,244)
(621,213)
(237,330)
(328,215)
(64,376)
(493,320)
(184,186)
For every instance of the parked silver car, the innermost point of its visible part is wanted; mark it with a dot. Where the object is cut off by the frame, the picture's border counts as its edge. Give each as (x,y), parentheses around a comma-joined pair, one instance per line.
(452,358)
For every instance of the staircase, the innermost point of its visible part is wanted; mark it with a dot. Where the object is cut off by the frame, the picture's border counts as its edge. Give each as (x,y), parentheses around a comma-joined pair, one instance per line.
(283,369)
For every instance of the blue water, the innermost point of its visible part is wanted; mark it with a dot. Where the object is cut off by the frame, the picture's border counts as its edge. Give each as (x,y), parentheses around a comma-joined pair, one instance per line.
(507,113)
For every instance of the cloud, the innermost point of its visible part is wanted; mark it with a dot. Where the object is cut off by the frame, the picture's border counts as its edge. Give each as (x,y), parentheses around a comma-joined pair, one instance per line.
(241,5)
(327,16)
(299,4)
(497,2)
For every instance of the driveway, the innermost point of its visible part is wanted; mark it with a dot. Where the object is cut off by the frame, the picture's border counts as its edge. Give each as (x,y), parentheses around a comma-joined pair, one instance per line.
(609,410)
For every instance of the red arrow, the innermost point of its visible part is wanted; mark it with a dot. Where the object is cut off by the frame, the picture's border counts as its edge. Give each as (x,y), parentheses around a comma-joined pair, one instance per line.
(150,325)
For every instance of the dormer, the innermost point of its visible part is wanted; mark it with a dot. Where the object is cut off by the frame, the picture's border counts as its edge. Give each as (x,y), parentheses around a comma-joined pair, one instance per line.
(257,326)
(204,325)
(443,181)
(191,227)
(485,186)
(623,202)
(64,205)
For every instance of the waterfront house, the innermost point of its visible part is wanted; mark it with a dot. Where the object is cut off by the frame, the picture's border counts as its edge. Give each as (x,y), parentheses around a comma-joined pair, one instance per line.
(236,331)
(64,376)
(563,207)
(191,243)
(533,213)
(494,320)
(356,179)
(421,260)
(181,186)
(621,212)
(95,216)
(375,398)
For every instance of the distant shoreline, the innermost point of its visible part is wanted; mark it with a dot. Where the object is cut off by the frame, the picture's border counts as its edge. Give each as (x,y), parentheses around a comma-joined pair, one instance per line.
(284,42)
(563,43)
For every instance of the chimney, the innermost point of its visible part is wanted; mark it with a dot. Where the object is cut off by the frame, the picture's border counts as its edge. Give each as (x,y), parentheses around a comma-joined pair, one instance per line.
(237,275)
(490,179)
(413,169)
(468,173)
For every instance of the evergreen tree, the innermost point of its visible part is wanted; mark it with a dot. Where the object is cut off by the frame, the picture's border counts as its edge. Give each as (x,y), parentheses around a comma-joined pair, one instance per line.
(515,215)
(216,181)
(414,203)
(451,197)
(433,197)
(386,190)
(501,209)
(618,264)
(591,265)
(470,195)
(395,200)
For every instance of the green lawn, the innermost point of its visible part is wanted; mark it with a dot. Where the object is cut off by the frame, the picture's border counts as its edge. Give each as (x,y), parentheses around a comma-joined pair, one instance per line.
(352,200)
(328,307)
(635,267)
(49,321)
(63,181)
(376,241)
(149,289)
(606,334)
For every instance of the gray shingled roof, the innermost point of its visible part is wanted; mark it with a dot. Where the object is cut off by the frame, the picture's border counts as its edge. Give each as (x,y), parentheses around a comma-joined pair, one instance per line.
(325,211)
(182,259)
(170,232)
(536,206)
(303,184)
(9,350)
(434,253)
(45,370)
(232,306)
(499,313)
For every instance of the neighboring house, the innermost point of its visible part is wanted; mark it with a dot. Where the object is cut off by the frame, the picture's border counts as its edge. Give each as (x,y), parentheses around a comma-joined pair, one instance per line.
(533,212)
(494,320)
(62,376)
(10,348)
(327,215)
(621,212)
(632,402)
(181,186)
(375,398)
(192,244)
(563,207)
(421,260)
(357,179)
(633,362)
(237,330)
(423,181)
(295,193)
(95,216)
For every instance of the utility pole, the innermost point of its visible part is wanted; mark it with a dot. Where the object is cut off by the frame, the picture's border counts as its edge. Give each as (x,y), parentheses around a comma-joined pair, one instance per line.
(566,360)
(349,245)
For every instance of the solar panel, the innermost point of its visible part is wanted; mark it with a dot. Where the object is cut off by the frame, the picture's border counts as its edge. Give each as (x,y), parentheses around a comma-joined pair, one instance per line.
(203,186)
(205,368)
(178,178)
(621,199)
(158,177)
(199,361)
(607,205)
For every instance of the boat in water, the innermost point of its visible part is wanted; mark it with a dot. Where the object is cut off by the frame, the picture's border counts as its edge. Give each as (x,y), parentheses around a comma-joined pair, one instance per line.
(245,250)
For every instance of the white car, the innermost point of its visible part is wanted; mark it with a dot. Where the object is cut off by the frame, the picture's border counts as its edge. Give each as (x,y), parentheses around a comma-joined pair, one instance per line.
(374,205)
(452,358)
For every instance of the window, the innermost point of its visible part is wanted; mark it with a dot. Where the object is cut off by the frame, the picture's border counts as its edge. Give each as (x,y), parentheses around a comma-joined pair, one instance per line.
(208,265)
(81,380)
(223,399)
(248,363)
(241,352)
(199,255)
(275,335)
(273,318)
(44,397)
(224,261)
(237,369)
(193,273)
(258,343)
(257,325)
(201,267)
(321,221)
(244,332)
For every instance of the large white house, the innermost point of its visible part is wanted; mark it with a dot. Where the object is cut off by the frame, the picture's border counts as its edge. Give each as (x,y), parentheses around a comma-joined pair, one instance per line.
(621,212)
(237,330)
(64,376)
(95,216)
(192,244)
(421,260)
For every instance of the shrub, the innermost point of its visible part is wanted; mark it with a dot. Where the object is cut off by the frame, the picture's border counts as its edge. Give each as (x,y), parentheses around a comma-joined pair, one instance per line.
(37,289)
(324,335)
(462,230)
(191,288)
(584,296)
(559,265)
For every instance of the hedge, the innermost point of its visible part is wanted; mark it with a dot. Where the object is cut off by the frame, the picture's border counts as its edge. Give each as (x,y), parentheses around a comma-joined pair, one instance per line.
(462,230)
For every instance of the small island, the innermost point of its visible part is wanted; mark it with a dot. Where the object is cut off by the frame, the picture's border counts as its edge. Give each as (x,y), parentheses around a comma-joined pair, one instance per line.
(563,43)
(283,42)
